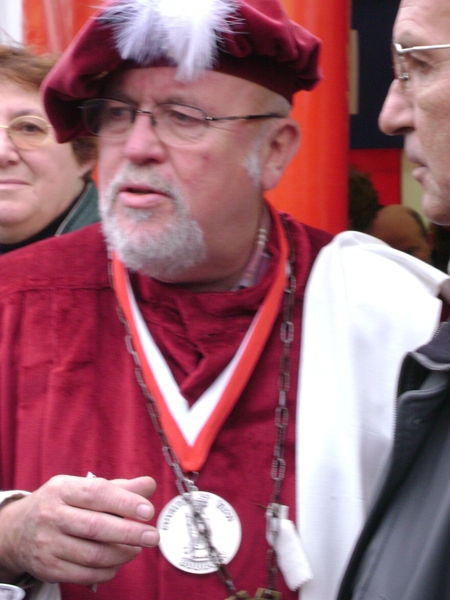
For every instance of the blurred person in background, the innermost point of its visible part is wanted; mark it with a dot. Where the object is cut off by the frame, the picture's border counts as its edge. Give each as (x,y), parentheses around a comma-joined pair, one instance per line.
(399,226)
(402,228)
(46,188)
(363,203)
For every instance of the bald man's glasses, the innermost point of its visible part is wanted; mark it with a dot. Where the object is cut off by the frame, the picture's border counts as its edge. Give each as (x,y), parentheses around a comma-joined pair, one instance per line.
(175,124)
(27,132)
(402,61)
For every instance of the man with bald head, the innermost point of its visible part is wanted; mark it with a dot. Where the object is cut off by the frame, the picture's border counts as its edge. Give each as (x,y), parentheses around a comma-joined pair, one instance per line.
(403,551)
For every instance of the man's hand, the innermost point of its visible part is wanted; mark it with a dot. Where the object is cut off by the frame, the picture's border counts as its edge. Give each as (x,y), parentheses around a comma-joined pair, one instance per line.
(70,529)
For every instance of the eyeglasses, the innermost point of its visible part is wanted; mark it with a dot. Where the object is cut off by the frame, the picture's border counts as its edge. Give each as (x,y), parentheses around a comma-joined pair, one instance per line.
(176,124)
(27,132)
(403,67)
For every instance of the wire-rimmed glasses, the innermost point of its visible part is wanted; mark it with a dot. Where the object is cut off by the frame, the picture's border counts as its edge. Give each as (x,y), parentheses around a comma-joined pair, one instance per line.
(27,131)
(175,124)
(402,69)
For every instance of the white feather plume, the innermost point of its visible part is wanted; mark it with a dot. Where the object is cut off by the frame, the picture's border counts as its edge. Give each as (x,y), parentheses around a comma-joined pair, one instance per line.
(186,32)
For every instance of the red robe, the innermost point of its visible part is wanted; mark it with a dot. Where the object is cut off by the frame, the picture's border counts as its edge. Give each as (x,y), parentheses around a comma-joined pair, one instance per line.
(70,403)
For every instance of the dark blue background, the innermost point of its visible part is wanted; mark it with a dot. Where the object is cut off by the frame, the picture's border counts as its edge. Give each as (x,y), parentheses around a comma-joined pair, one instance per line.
(373,19)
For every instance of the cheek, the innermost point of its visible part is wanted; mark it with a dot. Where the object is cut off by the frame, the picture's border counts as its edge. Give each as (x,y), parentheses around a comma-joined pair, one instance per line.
(195,172)
(433,125)
(55,167)
(109,163)
(42,172)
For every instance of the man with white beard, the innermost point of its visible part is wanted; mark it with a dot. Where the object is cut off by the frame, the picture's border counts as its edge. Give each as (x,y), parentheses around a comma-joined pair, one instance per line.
(191,135)
(177,248)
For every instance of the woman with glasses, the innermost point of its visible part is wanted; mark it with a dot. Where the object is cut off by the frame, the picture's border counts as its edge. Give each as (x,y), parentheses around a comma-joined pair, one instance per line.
(45,187)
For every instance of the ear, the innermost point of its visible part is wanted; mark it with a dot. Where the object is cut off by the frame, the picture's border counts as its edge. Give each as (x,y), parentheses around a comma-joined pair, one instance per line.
(87,166)
(281,144)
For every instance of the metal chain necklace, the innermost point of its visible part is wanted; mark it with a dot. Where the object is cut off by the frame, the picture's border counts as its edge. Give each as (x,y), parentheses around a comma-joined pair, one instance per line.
(186,485)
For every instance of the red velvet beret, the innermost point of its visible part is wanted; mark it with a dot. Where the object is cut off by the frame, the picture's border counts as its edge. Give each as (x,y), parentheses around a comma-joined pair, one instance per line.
(259,43)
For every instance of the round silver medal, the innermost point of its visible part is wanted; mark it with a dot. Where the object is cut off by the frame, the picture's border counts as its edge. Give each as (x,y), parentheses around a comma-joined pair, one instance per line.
(11,592)
(182,544)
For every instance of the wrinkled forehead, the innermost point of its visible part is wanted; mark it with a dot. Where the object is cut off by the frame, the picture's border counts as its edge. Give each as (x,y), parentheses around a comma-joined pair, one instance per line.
(422,22)
(160,84)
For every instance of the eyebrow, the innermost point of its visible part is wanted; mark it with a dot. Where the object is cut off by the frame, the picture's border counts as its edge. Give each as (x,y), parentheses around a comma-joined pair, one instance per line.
(116,94)
(23,112)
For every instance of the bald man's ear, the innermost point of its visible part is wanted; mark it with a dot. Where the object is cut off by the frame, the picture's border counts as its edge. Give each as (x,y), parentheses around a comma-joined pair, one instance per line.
(281,144)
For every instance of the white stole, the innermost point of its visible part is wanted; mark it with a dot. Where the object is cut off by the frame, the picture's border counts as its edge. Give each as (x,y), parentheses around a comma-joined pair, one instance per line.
(366,306)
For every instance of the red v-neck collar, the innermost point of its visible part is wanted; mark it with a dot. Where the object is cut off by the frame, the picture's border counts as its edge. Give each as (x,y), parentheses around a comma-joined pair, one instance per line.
(193,456)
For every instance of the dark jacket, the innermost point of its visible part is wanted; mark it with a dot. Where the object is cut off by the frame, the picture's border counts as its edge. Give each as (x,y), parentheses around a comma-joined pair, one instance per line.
(83,212)
(403,552)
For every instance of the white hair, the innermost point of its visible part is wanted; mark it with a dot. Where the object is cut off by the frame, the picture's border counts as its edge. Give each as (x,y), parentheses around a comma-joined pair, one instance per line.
(267,102)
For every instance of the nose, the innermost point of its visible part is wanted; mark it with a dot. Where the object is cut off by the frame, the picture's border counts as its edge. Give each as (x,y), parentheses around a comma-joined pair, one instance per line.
(8,152)
(396,116)
(143,144)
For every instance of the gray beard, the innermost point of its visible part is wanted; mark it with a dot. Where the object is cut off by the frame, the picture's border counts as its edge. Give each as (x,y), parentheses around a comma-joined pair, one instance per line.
(167,254)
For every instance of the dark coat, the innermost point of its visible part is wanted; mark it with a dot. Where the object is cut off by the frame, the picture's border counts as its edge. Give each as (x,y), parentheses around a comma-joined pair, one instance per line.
(403,552)
(84,211)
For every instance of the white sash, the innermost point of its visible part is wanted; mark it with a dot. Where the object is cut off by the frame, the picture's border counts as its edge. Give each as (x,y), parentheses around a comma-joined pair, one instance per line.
(366,306)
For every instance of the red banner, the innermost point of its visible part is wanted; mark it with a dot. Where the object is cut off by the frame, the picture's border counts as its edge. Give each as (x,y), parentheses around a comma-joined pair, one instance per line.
(50,25)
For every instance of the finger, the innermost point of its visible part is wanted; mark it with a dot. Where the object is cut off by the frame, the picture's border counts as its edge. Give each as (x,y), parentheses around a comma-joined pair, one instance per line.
(106,528)
(100,495)
(144,486)
(85,563)
(93,555)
